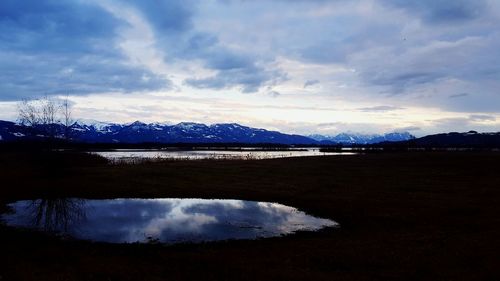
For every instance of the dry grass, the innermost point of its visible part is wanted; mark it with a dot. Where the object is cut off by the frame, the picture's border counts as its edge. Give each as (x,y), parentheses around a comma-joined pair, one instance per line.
(403,216)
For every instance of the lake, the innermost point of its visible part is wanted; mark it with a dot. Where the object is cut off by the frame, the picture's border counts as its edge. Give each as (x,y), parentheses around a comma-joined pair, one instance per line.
(169,220)
(240,154)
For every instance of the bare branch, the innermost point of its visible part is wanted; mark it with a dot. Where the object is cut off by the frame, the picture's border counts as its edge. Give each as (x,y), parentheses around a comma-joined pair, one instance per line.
(29,114)
(67,118)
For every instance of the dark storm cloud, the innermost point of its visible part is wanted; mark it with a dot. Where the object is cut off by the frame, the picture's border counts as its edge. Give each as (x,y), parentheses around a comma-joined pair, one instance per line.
(49,47)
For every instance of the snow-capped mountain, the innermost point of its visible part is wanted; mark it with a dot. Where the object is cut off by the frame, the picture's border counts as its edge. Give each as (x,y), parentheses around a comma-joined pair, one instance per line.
(87,124)
(92,131)
(138,132)
(352,138)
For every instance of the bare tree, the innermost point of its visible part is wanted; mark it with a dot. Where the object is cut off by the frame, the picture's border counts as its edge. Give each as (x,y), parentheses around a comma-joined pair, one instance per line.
(29,114)
(41,114)
(67,118)
(49,111)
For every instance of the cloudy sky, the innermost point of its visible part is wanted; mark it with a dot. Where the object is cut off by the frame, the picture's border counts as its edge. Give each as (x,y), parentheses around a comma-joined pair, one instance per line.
(299,66)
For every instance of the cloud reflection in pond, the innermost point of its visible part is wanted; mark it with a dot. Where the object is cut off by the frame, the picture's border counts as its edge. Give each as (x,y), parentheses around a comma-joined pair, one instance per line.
(162,220)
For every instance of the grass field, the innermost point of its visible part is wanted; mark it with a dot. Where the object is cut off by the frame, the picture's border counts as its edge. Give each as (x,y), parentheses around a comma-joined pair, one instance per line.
(403,216)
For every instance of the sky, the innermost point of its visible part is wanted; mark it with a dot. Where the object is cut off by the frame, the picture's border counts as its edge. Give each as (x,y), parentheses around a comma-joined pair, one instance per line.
(297,66)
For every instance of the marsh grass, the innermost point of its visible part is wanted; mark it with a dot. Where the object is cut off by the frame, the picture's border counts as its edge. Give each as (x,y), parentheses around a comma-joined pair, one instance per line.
(404,216)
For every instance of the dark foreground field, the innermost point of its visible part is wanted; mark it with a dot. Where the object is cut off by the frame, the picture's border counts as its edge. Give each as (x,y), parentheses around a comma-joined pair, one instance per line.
(403,216)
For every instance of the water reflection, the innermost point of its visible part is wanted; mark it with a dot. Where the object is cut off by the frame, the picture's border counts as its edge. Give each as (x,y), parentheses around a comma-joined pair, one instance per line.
(55,214)
(161,220)
(131,155)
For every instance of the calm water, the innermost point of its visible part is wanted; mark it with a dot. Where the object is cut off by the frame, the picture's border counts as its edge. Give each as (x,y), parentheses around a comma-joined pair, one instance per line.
(248,154)
(161,220)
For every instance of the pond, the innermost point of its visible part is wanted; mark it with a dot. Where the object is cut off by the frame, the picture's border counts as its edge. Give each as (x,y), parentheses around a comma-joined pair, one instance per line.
(160,220)
(241,154)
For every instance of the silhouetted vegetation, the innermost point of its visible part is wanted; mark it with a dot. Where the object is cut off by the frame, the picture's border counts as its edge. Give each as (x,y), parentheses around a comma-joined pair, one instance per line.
(56,214)
(43,116)
(65,144)
(403,216)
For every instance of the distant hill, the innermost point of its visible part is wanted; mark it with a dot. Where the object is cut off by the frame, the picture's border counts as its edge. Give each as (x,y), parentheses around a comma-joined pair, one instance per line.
(454,139)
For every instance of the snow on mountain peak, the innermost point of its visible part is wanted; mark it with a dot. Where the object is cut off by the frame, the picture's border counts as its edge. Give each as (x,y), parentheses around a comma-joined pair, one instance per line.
(97,125)
(189,125)
(357,138)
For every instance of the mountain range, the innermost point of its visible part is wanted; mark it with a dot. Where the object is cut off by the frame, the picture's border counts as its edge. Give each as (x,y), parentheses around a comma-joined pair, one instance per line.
(90,131)
(353,138)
